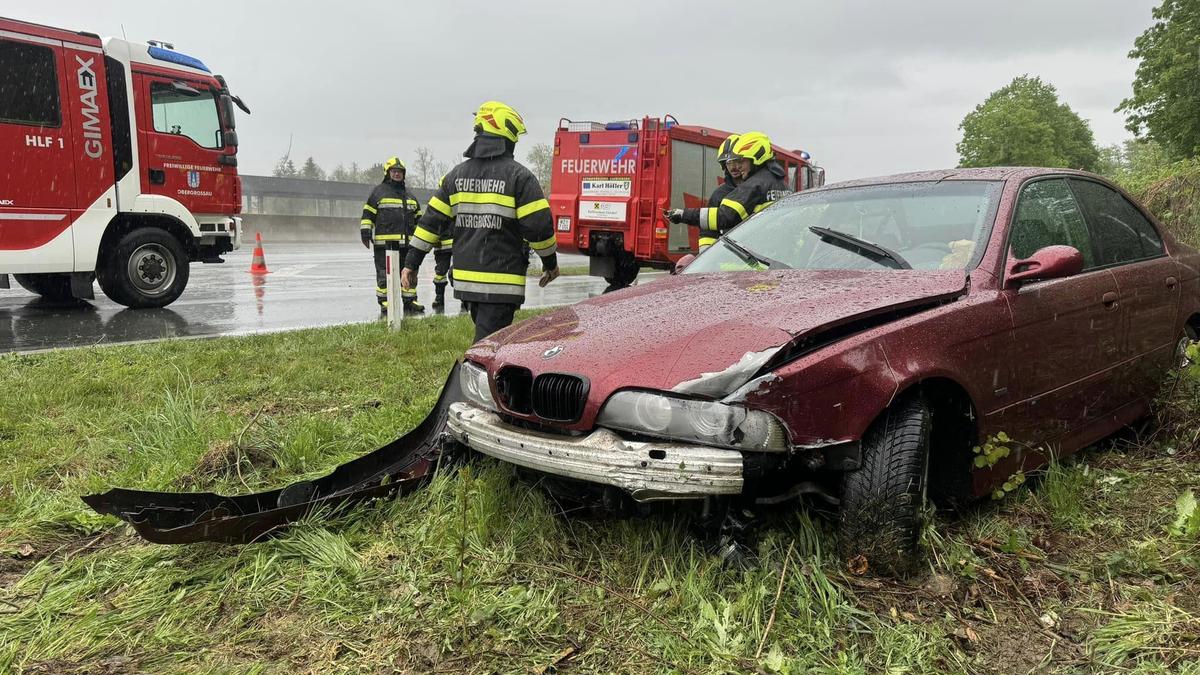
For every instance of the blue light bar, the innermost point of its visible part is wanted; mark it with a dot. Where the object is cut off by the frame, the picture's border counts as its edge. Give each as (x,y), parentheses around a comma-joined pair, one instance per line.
(616,126)
(177,58)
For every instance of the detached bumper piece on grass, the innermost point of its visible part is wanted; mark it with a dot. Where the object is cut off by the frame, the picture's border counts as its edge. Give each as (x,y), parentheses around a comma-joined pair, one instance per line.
(398,468)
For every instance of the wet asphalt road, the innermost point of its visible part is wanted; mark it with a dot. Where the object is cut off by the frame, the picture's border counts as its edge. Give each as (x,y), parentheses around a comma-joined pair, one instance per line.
(309,285)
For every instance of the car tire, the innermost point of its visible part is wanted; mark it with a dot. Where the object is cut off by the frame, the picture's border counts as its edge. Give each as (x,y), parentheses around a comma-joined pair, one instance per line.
(148,267)
(883,501)
(56,287)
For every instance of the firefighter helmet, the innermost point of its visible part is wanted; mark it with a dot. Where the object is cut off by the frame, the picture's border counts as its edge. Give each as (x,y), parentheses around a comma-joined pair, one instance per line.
(754,146)
(498,119)
(393,163)
(725,151)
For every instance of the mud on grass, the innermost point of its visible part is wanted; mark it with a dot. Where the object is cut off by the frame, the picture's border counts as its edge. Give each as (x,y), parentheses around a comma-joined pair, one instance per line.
(477,573)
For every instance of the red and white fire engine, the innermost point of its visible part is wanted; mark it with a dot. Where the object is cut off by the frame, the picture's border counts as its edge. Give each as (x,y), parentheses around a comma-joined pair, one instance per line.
(119,165)
(610,183)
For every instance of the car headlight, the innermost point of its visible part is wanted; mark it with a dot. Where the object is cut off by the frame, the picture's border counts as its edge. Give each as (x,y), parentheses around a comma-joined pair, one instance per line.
(475,387)
(705,422)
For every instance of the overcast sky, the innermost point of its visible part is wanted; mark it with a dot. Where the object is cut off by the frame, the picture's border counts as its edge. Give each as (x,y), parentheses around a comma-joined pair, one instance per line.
(868,88)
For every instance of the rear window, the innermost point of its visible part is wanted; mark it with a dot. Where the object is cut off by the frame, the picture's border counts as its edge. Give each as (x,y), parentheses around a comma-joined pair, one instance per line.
(930,225)
(28,85)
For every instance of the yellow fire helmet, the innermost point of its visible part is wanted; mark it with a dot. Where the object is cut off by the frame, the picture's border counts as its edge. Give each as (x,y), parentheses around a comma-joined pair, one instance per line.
(725,151)
(392,163)
(754,146)
(499,119)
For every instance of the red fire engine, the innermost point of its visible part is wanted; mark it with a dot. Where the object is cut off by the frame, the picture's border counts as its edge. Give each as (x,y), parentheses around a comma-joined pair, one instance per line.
(611,182)
(120,162)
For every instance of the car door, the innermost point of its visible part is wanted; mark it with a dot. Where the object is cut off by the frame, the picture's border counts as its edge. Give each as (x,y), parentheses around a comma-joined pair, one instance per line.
(1067,331)
(1128,244)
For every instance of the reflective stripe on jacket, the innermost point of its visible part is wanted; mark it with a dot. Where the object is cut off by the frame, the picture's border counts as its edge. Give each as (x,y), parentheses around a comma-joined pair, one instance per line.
(754,194)
(390,213)
(489,207)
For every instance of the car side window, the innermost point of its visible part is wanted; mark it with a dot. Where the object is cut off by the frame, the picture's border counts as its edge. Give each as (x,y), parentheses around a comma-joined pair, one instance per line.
(1047,215)
(1122,234)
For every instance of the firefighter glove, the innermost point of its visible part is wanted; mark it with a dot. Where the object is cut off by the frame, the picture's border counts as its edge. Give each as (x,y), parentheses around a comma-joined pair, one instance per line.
(675,215)
(548,276)
(366,238)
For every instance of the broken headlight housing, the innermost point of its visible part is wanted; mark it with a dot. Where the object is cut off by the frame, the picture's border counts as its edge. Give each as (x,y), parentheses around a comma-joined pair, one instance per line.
(475,387)
(704,422)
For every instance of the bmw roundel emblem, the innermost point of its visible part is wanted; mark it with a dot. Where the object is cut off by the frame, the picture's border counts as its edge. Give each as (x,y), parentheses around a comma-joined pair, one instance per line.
(552,352)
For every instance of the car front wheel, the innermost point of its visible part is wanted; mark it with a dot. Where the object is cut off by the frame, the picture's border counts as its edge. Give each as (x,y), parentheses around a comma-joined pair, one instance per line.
(883,501)
(147,268)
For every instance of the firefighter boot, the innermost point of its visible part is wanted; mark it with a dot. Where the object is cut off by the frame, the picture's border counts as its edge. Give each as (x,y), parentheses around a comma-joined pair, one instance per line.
(411,306)
(439,297)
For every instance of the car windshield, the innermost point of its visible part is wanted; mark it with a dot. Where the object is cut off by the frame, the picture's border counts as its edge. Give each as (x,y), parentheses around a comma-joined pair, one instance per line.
(926,226)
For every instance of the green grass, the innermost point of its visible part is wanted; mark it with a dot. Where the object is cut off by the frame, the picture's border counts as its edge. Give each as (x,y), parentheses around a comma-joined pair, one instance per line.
(478,573)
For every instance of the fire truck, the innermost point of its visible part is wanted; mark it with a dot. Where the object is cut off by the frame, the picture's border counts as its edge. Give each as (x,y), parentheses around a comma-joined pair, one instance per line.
(610,183)
(120,165)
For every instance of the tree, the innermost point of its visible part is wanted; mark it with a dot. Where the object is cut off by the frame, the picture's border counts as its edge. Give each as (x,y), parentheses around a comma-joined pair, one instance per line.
(341,173)
(284,168)
(423,172)
(541,159)
(372,174)
(1166,89)
(1135,156)
(1024,124)
(311,170)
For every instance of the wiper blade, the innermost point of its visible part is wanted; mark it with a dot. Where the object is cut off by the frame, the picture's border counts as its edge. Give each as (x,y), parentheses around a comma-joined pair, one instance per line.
(867,249)
(749,257)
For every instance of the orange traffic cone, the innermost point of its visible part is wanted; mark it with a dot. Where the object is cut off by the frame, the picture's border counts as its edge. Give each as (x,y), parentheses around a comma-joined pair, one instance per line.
(258,265)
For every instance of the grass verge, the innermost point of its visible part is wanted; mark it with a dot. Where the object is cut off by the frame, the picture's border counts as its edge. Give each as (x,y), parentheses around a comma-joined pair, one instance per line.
(1091,569)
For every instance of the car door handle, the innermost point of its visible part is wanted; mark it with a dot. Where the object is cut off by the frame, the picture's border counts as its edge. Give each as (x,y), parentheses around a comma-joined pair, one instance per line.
(1171,282)
(1110,300)
(158,176)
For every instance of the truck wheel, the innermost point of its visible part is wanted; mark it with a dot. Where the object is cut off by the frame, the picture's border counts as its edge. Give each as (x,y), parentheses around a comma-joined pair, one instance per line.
(625,274)
(55,287)
(147,268)
(883,501)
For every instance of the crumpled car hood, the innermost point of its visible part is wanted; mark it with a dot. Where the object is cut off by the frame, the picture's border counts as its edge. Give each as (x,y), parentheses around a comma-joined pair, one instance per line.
(671,332)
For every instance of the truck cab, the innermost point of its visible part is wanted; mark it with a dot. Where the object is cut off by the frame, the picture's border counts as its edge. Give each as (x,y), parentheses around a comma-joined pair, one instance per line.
(127,157)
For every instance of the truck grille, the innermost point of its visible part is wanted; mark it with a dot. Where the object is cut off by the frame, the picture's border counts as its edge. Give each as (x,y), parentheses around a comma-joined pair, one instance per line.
(559,398)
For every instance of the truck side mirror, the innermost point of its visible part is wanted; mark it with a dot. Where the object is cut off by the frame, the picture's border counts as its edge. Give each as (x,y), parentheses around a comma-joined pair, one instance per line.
(227,108)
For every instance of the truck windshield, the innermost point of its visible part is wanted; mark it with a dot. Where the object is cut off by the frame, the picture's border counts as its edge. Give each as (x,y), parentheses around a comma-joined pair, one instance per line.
(187,114)
(929,225)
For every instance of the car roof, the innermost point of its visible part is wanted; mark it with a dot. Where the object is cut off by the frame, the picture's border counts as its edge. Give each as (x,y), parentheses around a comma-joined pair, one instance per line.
(994,173)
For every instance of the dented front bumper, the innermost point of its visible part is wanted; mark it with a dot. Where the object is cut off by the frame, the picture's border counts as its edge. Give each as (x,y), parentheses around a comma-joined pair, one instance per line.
(649,471)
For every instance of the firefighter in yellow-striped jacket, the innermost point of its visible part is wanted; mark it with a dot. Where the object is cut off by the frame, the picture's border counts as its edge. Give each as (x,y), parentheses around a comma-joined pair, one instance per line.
(490,206)
(750,161)
(388,218)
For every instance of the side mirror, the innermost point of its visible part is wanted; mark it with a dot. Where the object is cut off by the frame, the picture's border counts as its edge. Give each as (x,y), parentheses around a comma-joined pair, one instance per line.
(1052,262)
(227,108)
(683,262)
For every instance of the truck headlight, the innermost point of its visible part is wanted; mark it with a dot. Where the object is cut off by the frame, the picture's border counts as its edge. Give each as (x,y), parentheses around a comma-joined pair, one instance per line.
(705,422)
(475,387)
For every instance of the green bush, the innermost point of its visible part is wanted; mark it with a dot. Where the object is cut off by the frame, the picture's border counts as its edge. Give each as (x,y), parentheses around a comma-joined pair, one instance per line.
(1171,192)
